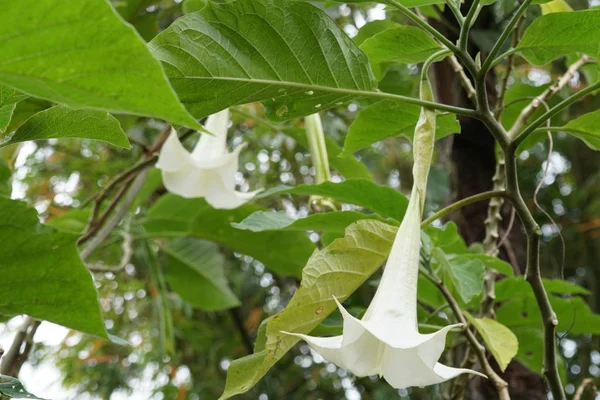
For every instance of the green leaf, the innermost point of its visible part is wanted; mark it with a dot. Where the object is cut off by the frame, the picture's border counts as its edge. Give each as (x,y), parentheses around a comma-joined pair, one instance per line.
(574,314)
(447,238)
(586,128)
(507,289)
(372,28)
(190,6)
(43,264)
(403,44)
(283,252)
(336,221)
(288,54)
(8,102)
(5,181)
(557,34)
(500,340)
(492,263)
(386,119)
(60,122)
(383,200)
(13,388)
(555,6)
(80,53)
(194,270)
(337,270)
(465,274)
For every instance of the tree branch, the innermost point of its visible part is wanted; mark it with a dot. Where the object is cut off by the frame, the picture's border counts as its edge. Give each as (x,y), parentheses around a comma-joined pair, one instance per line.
(528,111)
(462,203)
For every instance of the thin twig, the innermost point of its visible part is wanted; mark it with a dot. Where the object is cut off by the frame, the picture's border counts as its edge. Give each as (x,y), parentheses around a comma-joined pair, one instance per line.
(464,79)
(499,384)
(126,245)
(528,111)
(236,316)
(510,63)
(462,203)
(112,223)
(581,388)
(12,357)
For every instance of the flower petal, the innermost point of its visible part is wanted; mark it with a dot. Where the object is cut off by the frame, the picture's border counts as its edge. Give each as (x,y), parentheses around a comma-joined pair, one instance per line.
(213,146)
(405,368)
(187,182)
(173,156)
(352,328)
(360,357)
(221,197)
(431,349)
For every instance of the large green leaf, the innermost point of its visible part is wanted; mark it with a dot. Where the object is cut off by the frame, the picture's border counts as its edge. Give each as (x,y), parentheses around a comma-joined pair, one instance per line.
(283,252)
(42,273)
(383,200)
(336,221)
(80,53)
(194,269)
(337,270)
(13,388)
(386,119)
(8,102)
(557,34)
(288,54)
(60,122)
(403,44)
(462,274)
(586,128)
(500,340)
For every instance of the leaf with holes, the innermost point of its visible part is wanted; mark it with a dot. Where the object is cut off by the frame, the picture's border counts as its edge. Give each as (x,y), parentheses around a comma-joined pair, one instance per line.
(287,54)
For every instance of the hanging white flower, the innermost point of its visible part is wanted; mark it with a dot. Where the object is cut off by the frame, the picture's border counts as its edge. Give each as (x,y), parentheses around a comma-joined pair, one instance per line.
(386,341)
(208,171)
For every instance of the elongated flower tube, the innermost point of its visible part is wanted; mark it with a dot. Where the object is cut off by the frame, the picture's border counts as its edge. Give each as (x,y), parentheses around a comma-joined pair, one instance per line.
(208,171)
(386,341)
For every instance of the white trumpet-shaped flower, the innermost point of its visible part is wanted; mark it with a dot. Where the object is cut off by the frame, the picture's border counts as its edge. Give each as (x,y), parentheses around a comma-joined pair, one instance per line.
(386,341)
(208,171)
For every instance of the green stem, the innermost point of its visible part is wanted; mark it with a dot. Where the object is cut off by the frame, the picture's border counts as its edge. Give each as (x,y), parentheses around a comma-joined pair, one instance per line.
(463,39)
(534,276)
(552,112)
(503,36)
(424,25)
(462,203)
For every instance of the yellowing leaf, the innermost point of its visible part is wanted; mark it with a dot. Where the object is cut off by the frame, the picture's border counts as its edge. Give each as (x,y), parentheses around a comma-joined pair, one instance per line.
(500,340)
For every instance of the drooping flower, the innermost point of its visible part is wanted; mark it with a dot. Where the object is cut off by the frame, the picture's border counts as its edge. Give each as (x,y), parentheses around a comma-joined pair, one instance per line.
(386,341)
(208,171)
